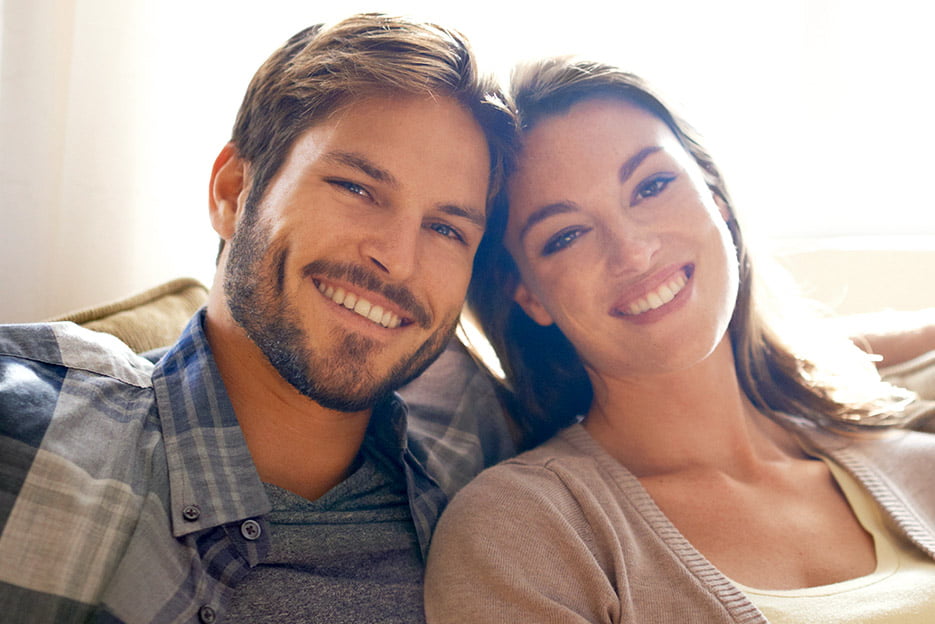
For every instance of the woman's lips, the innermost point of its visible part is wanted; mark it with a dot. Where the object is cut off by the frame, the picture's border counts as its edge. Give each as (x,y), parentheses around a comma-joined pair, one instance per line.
(658,296)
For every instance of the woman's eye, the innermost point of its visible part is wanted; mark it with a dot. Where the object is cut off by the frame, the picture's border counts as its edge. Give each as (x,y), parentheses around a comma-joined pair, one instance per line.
(447,231)
(652,187)
(562,240)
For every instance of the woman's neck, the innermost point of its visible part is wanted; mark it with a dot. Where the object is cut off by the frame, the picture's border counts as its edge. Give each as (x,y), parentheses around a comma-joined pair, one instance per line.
(696,418)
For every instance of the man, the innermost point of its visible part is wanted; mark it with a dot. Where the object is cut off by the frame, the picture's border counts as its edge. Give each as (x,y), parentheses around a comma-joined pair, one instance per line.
(261,470)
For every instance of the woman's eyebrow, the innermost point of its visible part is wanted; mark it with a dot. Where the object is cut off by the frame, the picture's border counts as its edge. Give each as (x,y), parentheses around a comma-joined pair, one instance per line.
(544,212)
(624,174)
(627,169)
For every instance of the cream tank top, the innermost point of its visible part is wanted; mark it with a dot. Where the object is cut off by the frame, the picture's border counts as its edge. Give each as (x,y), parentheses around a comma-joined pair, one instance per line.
(900,591)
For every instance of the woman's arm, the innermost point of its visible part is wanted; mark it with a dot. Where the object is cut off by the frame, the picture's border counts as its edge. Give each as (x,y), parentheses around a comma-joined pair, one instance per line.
(896,337)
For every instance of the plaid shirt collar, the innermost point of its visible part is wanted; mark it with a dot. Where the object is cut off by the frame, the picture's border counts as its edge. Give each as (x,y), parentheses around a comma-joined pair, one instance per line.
(213,480)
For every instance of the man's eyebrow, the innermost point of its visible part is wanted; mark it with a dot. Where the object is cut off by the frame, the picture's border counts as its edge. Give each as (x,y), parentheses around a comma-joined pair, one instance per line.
(543,213)
(379,174)
(627,169)
(364,165)
(477,217)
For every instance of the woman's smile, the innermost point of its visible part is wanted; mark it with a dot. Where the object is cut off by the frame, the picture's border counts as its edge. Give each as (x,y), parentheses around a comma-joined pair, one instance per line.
(657,297)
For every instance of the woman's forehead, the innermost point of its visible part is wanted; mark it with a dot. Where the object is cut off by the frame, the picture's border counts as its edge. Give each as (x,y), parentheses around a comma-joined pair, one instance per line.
(592,134)
(598,116)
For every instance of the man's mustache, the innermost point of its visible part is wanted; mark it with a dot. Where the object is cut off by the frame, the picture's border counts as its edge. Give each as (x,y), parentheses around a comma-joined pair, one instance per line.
(368,280)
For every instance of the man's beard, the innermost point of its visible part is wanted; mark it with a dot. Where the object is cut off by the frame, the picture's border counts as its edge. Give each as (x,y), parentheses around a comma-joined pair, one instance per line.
(340,379)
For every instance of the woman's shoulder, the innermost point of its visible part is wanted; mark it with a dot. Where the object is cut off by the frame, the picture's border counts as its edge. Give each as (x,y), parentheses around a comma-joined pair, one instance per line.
(882,460)
(552,475)
(888,441)
(569,447)
(897,450)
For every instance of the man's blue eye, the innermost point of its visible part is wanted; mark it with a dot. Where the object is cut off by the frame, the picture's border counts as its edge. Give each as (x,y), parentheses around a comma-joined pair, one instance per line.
(447,231)
(351,187)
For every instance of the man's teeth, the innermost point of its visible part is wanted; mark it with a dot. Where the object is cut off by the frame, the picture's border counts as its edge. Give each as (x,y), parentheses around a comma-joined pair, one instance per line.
(361,306)
(659,297)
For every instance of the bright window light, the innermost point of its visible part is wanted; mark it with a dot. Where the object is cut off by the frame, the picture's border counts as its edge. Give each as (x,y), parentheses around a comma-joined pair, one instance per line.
(818,111)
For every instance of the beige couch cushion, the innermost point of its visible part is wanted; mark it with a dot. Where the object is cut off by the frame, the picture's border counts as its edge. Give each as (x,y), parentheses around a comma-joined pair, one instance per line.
(151,319)
(919,376)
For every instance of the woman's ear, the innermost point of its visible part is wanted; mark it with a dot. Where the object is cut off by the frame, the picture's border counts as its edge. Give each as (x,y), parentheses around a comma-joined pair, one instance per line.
(227,191)
(531,305)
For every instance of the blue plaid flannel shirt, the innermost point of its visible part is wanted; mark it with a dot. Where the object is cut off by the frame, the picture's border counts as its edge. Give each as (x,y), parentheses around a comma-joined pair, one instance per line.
(127,493)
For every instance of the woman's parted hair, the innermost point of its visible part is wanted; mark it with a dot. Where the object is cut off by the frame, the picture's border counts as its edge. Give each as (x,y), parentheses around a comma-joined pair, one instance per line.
(547,380)
(323,68)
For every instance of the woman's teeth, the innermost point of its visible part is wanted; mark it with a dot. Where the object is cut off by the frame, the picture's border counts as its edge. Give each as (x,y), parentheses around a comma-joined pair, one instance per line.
(361,306)
(659,297)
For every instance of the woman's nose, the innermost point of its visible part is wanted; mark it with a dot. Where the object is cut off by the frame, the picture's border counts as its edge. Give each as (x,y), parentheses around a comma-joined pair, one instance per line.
(631,246)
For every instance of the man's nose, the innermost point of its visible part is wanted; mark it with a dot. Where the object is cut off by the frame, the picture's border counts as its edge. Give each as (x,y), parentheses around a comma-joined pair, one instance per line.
(392,247)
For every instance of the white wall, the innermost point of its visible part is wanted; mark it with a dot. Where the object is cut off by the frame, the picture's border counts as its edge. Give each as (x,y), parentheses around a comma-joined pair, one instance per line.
(111,113)
(854,275)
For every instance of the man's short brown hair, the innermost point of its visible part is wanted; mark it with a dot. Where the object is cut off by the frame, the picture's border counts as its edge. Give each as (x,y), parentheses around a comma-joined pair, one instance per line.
(323,68)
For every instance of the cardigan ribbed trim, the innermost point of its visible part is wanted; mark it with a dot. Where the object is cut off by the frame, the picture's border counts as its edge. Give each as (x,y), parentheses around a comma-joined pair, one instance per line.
(858,455)
(735,602)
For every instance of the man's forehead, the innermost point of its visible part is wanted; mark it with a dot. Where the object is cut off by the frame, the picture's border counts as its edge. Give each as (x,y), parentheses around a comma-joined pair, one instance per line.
(425,140)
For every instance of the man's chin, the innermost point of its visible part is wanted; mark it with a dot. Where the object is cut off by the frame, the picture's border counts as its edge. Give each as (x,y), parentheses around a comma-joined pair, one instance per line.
(333,383)
(347,385)
(346,403)
(350,374)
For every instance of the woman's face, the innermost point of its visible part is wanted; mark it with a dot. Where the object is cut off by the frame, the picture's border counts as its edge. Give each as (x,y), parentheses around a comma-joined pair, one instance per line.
(619,241)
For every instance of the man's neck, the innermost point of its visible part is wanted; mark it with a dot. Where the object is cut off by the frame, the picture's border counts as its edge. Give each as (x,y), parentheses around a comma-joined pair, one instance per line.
(306,453)
(295,443)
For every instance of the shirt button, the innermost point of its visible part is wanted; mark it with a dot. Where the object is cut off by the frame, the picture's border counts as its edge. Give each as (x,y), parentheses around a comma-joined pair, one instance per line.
(251,530)
(191,512)
(207,615)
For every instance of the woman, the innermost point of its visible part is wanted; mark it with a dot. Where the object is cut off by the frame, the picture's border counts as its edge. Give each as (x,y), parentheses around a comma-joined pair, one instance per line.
(716,475)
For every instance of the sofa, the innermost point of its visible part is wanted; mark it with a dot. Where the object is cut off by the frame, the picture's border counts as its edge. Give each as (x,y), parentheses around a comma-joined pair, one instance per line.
(148,320)
(153,319)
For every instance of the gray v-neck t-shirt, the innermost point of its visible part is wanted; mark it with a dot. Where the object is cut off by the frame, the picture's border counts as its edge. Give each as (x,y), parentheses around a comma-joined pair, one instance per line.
(350,556)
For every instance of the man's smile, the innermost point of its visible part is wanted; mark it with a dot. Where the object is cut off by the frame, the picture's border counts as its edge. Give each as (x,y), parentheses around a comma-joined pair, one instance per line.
(360,305)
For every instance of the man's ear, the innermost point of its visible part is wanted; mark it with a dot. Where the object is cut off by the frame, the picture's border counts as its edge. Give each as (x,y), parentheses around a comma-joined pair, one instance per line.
(531,305)
(228,188)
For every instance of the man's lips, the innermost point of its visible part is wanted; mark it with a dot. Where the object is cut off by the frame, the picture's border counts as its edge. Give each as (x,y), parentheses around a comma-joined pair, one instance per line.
(656,297)
(365,293)
(361,306)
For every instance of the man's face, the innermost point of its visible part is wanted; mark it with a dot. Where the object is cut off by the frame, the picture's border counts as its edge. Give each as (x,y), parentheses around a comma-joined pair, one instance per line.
(351,272)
